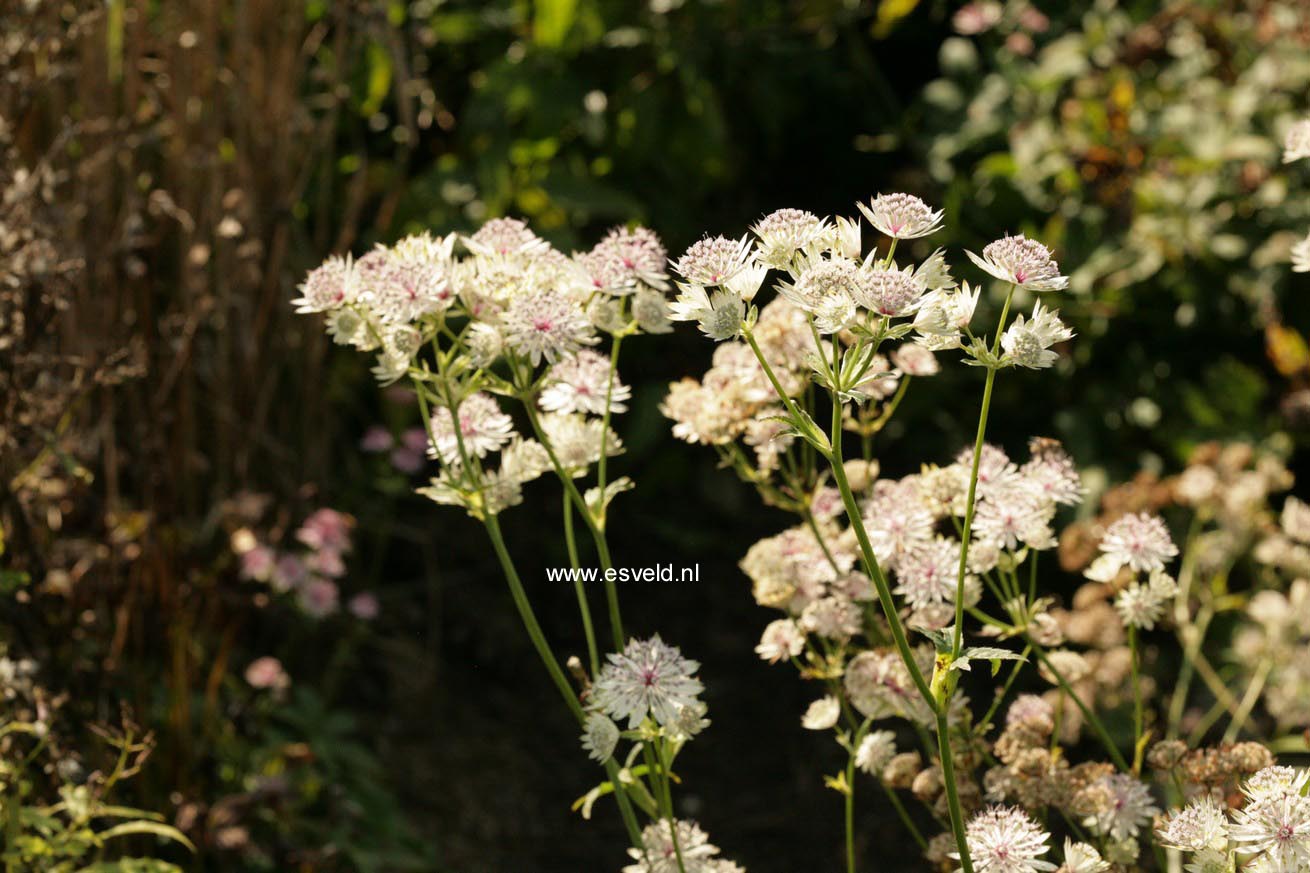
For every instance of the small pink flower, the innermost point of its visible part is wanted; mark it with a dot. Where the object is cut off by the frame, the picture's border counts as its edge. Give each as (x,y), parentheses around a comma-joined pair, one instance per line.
(319,597)
(257,564)
(376,439)
(326,529)
(327,562)
(415,439)
(406,460)
(364,606)
(266,673)
(287,573)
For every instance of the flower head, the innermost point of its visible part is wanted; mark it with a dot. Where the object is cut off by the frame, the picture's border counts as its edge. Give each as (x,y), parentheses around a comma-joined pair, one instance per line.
(1200,825)
(581,383)
(505,238)
(1296,145)
(713,260)
(483,428)
(546,323)
(893,293)
(901,216)
(1027,343)
(599,737)
(649,677)
(1023,262)
(1003,839)
(690,852)
(1127,806)
(822,714)
(875,751)
(784,233)
(332,284)
(1138,541)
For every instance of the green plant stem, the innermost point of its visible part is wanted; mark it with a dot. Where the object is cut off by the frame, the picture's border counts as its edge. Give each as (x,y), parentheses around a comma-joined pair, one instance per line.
(1135,655)
(605,426)
(957,643)
(1248,701)
(584,608)
(850,811)
(1091,717)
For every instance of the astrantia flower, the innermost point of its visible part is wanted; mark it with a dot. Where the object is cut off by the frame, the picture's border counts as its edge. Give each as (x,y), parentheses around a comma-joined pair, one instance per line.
(505,237)
(1027,343)
(648,678)
(824,280)
(1199,825)
(1023,262)
(546,323)
(1295,519)
(915,360)
(1296,145)
(580,384)
(942,315)
(901,216)
(782,639)
(483,428)
(1276,830)
(599,737)
(577,439)
(1128,808)
(874,751)
(1140,606)
(784,233)
(1274,782)
(1082,858)
(713,261)
(1301,256)
(822,714)
(628,258)
(893,293)
(329,286)
(927,575)
(1139,541)
(692,852)
(1003,839)
(719,315)
(1051,473)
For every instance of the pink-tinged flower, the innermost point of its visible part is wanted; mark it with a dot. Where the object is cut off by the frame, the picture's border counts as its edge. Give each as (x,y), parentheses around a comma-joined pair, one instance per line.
(650,677)
(376,439)
(711,262)
(901,216)
(258,564)
(326,529)
(319,597)
(1006,840)
(288,572)
(1023,262)
(1139,541)
(415,439)
(364,606)
(406,460)
(483,428)
(329,286)
(266,674)
(546,323)
(326,562)
(505,237)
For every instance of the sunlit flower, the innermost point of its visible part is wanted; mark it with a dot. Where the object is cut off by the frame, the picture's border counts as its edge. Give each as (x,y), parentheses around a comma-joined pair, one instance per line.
(1296,144)
(648,678)
(691,853)
(784,233)
(626,259)
(505,237)
(1301,256)
(1140,606)
(915,360)
(893,293)
(1006,840)
(1139,541)
(1023,262)
(822,714)
(901,216)
(1027,343)
(713,260)
(332,284)
(1082,858)
(483,428)
(580,384)
(719,315)
(1129,806)
(781,640)
(266,673)
(1277,830)
(546,323)
(1199,825)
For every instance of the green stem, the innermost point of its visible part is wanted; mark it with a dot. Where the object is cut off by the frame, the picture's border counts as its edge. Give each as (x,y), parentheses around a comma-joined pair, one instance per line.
(957,643)
(584,608)
(850,811)
(1091,717)
(1135,657)
(605,425)
(904,816)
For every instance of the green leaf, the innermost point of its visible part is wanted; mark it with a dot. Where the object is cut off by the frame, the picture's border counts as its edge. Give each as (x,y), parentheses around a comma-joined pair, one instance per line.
(552,21)
(128,828)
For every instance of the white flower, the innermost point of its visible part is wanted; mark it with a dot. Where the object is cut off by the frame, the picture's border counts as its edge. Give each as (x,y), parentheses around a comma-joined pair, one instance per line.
(822,714)
(600,736)
(1200,825)
(825,280)
(576,440)
(781,640)
(692,852)
(942,315)
(1295,519)
(927,575)
(784,233)
(581,383)
(1296,144)
(1130,807)
(399,290)
(1028,343)
(1023,262)
(1275,829)
(713,261)
(1051,473)
(648,677)
(1301,256)
(1082,858)
(901,216)
(915,360)
(874,751)
(483,428)
(546,323)
(1139,541)
(625,260)
(893,293)
(505,238)
(719,316)
(329,286)
(1005,840)
(1141,606)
